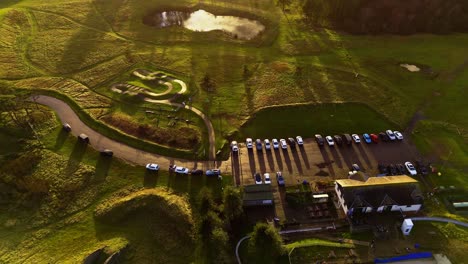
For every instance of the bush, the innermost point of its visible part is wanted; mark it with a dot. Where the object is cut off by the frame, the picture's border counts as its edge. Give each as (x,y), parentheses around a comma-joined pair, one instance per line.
(265,244)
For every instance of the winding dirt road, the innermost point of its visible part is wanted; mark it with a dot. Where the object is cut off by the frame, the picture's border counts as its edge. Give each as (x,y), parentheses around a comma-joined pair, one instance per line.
(122,151)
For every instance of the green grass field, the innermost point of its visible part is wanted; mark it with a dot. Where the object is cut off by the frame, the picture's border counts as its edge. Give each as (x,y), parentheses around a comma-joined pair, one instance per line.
(307,120)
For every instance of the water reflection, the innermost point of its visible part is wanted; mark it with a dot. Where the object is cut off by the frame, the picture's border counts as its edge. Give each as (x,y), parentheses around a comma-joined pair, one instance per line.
(203,21)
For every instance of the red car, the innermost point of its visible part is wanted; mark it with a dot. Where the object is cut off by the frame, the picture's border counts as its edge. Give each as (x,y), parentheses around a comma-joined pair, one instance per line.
(374,138)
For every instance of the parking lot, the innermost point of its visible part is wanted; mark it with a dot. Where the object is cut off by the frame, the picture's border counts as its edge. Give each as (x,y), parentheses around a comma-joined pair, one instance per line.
(313,163)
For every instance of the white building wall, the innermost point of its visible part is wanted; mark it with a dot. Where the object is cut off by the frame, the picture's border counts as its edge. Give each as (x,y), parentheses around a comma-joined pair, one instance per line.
(411,208)
(341,200)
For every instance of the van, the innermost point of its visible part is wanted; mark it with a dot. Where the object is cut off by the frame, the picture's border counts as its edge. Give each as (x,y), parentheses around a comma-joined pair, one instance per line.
(83,138)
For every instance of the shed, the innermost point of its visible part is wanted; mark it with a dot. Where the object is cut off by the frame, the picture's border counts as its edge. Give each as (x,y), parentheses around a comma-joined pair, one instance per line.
(258,195)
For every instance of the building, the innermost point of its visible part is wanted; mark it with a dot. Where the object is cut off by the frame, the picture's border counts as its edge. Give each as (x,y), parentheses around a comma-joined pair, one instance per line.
(258,195)
(379,194)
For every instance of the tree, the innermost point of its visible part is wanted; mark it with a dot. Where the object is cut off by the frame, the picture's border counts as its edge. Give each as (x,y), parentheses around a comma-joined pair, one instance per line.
(284,3)
(207,224)
(205,201)
(207,83)
(265,244)
(219,246)
(232,201)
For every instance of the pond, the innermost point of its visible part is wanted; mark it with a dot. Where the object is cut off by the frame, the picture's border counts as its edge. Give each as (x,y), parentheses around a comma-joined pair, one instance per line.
(203,21)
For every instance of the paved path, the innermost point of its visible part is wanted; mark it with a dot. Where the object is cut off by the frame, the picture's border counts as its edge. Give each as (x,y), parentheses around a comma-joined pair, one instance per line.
(313,229)
(439,219)
(122,151)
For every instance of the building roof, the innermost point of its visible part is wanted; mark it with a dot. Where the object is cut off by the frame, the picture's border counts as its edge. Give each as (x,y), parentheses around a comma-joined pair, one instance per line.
(380,191)
(376,181)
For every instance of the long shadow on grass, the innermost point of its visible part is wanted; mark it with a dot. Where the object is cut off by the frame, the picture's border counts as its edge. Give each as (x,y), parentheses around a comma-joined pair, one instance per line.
(75,157)
(151,178)
(102,167)
(60,140)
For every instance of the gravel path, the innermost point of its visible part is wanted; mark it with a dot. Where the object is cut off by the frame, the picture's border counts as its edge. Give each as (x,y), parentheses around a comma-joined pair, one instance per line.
(122,151)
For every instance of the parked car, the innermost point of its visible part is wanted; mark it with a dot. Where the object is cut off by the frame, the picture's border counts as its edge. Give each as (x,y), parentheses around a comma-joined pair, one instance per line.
(299,141)
(330,141)
(383,137)
(107,153)
(249,143)
(292,143)
(213,172)
(66,127)
(398,135)
(347,139)
(258,143)
(392,169)
(283,143)
(234,146)
(258,178)
(338,140)
(279,178)
(367,138)
(266,177)
(267,144)
(196,172)
(411,169)
(390,135)
(319,140)
(181,170)
(356,138)
(400,168)
(152,166)
(355,167)
(275,143)
(382,169)
(374,138)
(83,138)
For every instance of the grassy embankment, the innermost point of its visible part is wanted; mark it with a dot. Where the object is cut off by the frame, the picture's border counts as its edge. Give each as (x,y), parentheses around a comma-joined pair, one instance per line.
(39,230)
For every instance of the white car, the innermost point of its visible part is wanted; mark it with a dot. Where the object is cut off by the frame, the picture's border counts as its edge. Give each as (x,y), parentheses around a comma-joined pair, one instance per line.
(234,146)
(249,143)
(152,166)
(283,143)
(398,135)
(181,170)
(299,140)
(356,138)
(330,141)
(275,143)
(267,144)
(267,178)
(390,135)
(258,178)
(411,169)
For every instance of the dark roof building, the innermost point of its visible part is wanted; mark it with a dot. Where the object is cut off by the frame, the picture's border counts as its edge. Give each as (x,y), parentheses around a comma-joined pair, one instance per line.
(258,195)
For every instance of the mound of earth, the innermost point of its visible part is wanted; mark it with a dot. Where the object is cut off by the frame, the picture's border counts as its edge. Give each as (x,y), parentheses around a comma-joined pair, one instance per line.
(389,16)
(158,224)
